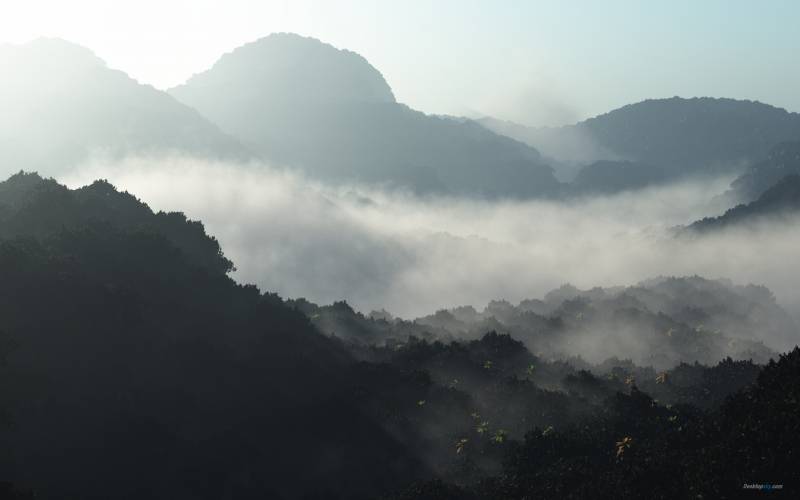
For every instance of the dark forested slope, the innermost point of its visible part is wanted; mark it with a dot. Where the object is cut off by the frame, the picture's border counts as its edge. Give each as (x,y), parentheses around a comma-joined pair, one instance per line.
(637,448)
(35,207)
(136,368)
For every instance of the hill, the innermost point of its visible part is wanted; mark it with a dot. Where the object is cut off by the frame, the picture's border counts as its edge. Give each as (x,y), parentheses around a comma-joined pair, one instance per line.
(31,206)
(62,105)
(637,448)
(694,135)
(608,177)
(782,160)
(660,322)
(781,201)
(132,364)
(676,135)
(306,104)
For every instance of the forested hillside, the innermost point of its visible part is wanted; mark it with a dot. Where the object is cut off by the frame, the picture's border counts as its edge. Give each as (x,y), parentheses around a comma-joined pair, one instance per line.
(782,161)
(778,204)
(134,367)
(663,140)
(660,322)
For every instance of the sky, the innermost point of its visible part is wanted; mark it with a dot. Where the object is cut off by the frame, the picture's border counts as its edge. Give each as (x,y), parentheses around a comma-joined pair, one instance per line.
(534,62)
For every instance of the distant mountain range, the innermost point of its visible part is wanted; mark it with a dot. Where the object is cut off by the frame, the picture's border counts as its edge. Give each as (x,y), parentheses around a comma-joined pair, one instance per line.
(300,102)
(61,104)
(674,137)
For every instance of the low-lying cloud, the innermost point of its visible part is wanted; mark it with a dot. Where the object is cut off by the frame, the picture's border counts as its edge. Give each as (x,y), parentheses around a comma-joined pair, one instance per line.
(387,249)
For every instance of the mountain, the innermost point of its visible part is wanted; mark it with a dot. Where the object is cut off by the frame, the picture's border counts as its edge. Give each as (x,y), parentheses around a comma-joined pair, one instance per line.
(306,104)
(781,201)
(783,160)
(31,206)
(62,105)
(132,366)
(691,135)
(682,136)
(608,176)
(568,149)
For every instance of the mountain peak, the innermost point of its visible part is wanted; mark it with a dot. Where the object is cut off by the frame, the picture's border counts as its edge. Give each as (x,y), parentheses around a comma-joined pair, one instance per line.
(665,132)
(49,52)
(700,104)
(306,104)
(298,68)
(61,103)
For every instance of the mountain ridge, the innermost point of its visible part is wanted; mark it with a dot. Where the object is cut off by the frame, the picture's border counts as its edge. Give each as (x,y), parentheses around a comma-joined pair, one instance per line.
(679,136)
(63,105)
(779,202)
(274,99)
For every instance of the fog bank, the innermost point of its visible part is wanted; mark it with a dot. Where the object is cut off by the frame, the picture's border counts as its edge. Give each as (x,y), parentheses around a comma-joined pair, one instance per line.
(380,249)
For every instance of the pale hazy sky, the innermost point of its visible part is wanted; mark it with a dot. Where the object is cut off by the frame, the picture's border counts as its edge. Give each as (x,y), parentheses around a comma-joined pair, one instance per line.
(535,62)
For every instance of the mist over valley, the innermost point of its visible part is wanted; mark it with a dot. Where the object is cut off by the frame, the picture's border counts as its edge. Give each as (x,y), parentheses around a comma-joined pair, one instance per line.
(285,278)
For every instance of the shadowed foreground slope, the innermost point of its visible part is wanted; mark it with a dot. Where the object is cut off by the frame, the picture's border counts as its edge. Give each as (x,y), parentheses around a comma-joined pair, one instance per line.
(135,368)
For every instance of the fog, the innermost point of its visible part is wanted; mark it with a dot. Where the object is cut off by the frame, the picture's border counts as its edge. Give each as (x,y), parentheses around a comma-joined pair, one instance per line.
(410,255)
